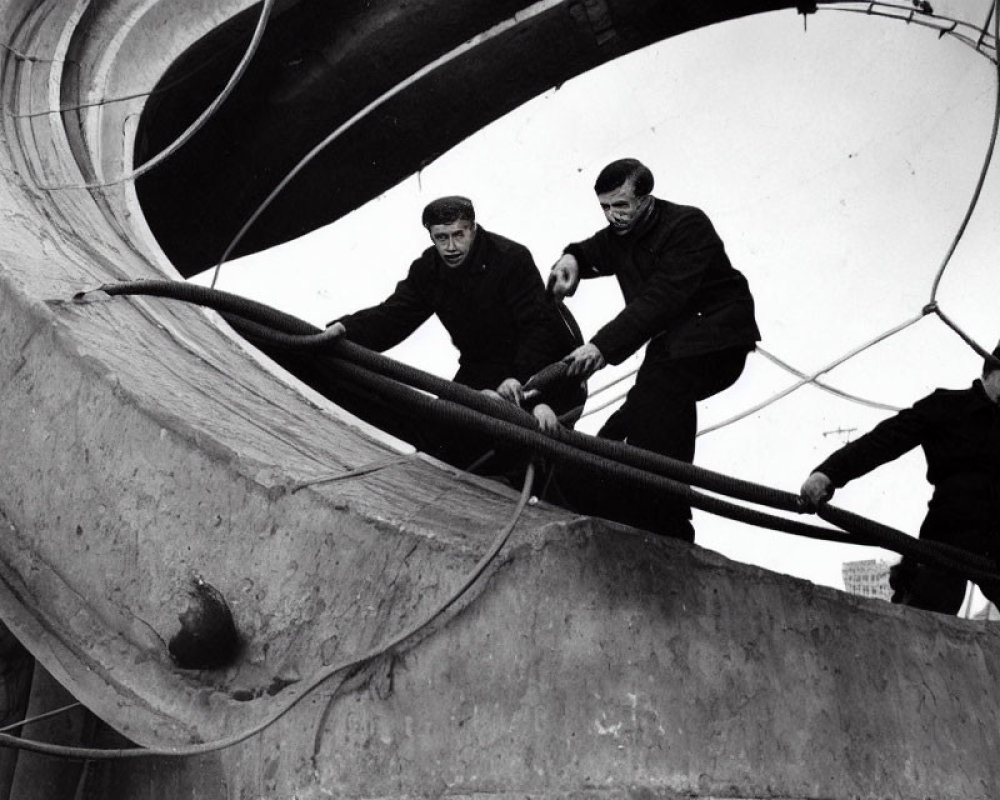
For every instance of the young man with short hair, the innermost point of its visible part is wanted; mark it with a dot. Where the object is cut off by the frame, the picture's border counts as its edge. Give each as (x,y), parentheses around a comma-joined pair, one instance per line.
(685,302)
(489,295)
(959,431)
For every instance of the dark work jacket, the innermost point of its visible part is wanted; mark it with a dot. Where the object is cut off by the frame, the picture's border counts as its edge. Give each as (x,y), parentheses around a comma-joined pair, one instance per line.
(681,292)
(959,431)
(493,306)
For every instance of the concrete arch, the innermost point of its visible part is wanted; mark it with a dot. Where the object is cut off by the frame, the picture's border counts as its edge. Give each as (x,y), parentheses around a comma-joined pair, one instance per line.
(145,442)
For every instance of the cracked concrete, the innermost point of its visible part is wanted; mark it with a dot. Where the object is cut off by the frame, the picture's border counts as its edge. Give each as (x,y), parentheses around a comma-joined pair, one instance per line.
(144,443)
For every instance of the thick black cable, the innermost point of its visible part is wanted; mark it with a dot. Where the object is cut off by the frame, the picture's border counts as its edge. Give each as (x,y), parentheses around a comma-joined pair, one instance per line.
(300,333)
(861,531)
(864,531)
(283,329)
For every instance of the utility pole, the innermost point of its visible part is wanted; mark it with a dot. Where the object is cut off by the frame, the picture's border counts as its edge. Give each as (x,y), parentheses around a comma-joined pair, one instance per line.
(845,433)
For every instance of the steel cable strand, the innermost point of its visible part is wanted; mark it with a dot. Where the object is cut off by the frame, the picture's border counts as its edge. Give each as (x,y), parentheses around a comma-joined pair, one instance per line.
(620,379)
(276,326)
(984,170)
(617,398)
(804,378)
(865,532)
(824,386)
(822,371)
(759,350)
(932,305)
(194,127)
(299,692)
(40,717)
(934,308)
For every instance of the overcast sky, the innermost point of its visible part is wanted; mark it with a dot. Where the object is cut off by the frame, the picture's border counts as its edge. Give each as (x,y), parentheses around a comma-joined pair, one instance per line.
(836,163)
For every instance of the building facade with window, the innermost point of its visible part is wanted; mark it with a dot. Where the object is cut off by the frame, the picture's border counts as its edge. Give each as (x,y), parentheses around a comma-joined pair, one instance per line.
(868,578)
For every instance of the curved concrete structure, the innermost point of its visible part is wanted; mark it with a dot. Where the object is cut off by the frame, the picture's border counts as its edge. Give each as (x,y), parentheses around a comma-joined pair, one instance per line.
(146,443)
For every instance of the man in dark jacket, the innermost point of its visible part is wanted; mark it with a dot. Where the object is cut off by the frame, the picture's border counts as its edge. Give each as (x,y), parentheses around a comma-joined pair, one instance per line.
(489,295)
(959,431)
(684,301)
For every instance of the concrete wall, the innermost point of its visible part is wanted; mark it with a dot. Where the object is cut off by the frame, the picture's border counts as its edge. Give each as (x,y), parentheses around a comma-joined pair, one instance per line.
(144,443)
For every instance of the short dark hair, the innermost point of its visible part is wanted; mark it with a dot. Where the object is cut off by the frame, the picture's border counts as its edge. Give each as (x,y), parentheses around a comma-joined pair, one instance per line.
(992,364)
(618,173)
(446,210)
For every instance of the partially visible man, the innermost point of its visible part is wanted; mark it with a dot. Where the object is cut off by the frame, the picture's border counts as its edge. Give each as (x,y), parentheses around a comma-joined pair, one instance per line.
(685,301)
(959,431)
(489,295)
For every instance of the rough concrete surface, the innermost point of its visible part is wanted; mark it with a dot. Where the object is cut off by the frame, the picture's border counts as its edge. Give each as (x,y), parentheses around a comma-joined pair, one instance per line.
(145,444)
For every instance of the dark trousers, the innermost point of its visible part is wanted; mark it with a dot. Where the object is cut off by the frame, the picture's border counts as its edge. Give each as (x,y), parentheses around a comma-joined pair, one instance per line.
(934,589)
(659,414)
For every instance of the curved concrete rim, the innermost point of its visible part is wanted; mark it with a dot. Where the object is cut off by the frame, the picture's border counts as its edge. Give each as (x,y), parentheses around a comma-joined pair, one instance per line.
(151,444)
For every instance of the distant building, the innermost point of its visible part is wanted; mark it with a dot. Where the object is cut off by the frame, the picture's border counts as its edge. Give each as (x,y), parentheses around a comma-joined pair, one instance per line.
(868,578)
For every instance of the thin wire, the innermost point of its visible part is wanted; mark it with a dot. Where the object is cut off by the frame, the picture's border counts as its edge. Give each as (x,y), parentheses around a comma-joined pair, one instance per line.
(825,386)
(39,717)
(357,472)
(788,368)
(924,20)
(34,59)
(932,305)
(615,382)
(195,126)
(774,360)
(180,79)
(935,308)
(182,751)
(982,176)
(601,406)
(810,378)
(582,409)
(80,106)
(532,11)
(985,26)
(960,37)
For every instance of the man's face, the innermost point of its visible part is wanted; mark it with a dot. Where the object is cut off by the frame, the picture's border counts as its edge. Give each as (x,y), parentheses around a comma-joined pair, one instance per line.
(620,207)
(453,241)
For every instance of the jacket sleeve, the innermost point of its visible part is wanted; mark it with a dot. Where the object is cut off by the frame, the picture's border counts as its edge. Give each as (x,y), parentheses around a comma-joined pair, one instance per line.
(537,341)
(886,442)
(591,257)
(679,269)
(391,321)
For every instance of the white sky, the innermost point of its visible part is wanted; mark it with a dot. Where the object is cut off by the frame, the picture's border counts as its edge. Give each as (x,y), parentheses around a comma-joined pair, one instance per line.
(836,164)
